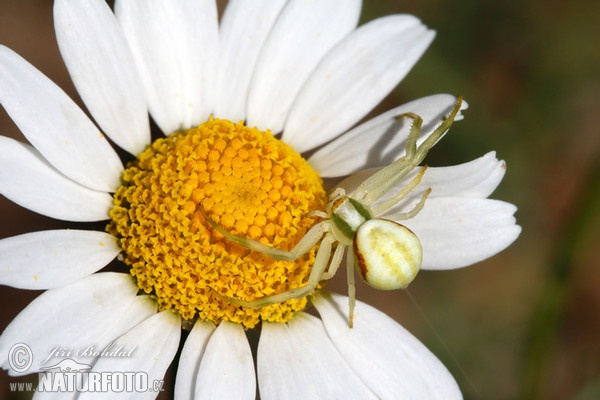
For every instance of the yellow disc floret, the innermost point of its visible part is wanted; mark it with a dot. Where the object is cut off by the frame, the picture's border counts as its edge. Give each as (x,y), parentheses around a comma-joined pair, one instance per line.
(244,179)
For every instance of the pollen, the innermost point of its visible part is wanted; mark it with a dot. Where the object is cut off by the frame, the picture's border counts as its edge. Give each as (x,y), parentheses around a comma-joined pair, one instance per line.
(247,181)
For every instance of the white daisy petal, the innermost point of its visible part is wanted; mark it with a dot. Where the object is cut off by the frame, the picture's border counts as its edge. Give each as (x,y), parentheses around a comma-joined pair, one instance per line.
(456,231)
(384,136)
(56,126)
(244,27)
(58,395)
(141,308)
(304,32)
(28,180)
(190,359)
(154,343)
(74,316)
(226,370)
(48,259)
(353,78)
(299,358)
(478,178)
(96,54)
(392,362)
(175,55)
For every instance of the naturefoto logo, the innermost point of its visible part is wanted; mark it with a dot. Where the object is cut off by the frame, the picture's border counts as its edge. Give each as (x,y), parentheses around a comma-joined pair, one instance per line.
(68,365)
(21,357)
(89,352)
(69,375)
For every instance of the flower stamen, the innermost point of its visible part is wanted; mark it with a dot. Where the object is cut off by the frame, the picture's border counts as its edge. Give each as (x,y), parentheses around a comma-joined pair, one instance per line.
(245,180)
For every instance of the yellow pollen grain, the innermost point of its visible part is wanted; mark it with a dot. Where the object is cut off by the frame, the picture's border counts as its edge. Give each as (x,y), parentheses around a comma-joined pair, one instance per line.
(245,180)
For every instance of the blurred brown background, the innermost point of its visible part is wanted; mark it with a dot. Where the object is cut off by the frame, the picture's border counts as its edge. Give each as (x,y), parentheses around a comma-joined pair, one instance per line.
(526,323)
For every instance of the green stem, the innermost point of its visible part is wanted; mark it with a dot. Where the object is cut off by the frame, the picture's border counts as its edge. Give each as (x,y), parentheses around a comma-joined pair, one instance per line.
(539,349)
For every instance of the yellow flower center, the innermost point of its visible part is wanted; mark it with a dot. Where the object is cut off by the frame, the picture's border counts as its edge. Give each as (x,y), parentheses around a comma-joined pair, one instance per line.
(245,180)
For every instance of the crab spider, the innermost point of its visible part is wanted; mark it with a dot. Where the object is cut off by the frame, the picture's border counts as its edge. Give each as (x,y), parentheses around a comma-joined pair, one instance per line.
(387,254)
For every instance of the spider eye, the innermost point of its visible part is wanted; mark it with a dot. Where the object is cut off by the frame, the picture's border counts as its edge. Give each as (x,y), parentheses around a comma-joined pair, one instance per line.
(388,255)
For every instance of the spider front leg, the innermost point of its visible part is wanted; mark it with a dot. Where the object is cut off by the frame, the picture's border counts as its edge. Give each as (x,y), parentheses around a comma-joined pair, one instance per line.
(308,241)
(410,213)
(316,276)
(379,183)
(414,182)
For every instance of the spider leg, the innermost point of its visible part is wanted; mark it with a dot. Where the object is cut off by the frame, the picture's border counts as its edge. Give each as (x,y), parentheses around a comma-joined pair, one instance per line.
(386,205)
(410,214)
(379,183)
(337,194)
(316,276)
(438,132)
(335,263)
(308,241)
(415,129)
(351,288)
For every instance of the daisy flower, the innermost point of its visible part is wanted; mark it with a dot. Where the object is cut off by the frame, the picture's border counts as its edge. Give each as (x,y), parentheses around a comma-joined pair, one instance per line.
(219,91)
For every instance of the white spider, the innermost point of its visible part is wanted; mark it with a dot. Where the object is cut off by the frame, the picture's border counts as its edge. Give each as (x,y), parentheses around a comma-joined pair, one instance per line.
(387,254)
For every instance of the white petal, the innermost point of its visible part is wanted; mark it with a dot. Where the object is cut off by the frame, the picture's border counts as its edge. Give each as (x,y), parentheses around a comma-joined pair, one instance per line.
(244,27)
(227,369)
(56,126)
(174,44)
(191,356)
(299,360)
(96,54)
(456,232)
(392,362)
(76,316)
(153,343)
(48,259)
(58,395)
(28,180)
(478,178)
(304,32)
(353,78)
(381,140)
(141,308)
